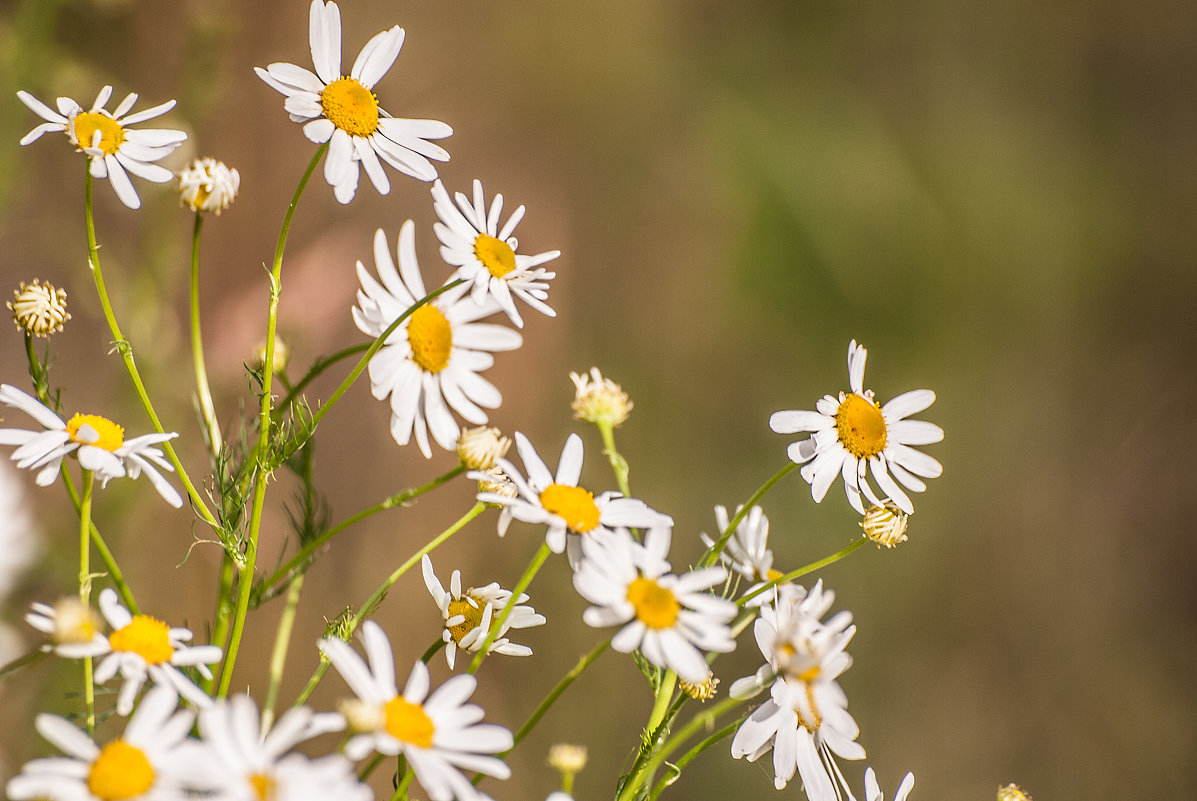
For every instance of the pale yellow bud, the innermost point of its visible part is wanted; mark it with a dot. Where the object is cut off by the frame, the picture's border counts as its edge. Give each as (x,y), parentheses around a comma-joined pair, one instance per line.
(885,525)
(39,309)
(599,400)
(480,448)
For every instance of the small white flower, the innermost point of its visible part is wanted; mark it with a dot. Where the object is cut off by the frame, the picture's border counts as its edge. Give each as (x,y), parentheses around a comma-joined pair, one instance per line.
(110,144)
(343,110)
(853,434)
(208,185)
(99,444)
(438,733)
(484,254)
(746,550)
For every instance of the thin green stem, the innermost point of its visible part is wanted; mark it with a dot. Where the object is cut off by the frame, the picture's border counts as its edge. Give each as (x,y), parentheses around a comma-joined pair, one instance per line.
(618,463)
(401,789)
(555,693)
(661,704)
(713,552)
(203,391)
(369,768)
(318,367)
(802,571)
(89,693)
(690,755)
(224,612)
(278,655)
(538,559)
(110,565)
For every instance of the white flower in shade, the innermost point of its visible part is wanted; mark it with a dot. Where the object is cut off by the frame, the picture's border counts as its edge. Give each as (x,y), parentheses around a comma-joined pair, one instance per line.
(873,789)
(208,185)
(343,109)
(853,435)
(567,509)
(105,136)
(746,551)
(73,626)
(152,760)
(484,254)
(431,361)
(438,733)
(468,616)
(99,444)
(142,647)
(669,618)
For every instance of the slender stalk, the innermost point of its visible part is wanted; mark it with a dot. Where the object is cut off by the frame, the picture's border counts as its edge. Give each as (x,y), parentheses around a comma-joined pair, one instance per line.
(618,463)
(110,565)
(556,692)
(278,655)
(689,756)
(401,789)
(203,391)
(802,571)
(661,704)
(318,367)
(89,692)
(224,613)
(713,552)
(538,559)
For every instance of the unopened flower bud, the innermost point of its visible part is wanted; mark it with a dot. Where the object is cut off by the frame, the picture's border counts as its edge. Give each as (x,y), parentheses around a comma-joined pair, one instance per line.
(1012,792)
(39,309)
(208,185)
(703,691)
(599,400)
(281,354)
(480,448)
(568,759)
(885,525)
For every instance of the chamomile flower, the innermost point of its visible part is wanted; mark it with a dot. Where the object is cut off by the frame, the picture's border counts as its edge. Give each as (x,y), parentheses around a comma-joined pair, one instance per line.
(113,148)
(853,435)
(343,109)
(437,733)
(468,616)
(569,511)
(485,254)
(99,444)
(668,618)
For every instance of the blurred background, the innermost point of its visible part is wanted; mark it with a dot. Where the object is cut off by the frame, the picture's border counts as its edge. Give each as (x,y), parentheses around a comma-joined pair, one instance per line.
(997,199)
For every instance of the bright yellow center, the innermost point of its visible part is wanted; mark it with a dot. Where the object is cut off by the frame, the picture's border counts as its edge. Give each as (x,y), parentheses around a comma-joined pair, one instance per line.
(120,771)
(773,575)
(112,135)
(146,637)
(263,786)
(495,255)
(408,723)
(574,504)
(431,338)
(473,618)
(655,606)
(112,436)
(861,426)
(350,106)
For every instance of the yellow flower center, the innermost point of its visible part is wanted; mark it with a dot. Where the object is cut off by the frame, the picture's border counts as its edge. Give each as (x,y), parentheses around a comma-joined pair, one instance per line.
(350,106)
(773,575)
(473,618)
(431,338)
(408,722)
(120,771)
(112,436)
(495,255)
(574,504)
(112,135)
(145,636)
(262,785)
(861,426)
(655,606)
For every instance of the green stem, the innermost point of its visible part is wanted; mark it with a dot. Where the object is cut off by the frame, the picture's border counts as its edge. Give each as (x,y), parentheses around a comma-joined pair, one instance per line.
(556,692)
(278,656)
(110,565)
(224,613)
(401,789)
(689,756)
(661,704)
(203,391)
(802,571)
(538,559)
(618,463)
(318,367)
(713,552)
(89,695)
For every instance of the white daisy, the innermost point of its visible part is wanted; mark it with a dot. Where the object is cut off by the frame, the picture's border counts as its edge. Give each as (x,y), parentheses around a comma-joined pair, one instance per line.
(343,110)
(873,789)
(567,509)
(669,619)
(437,733)
(430,363)
(99,444)
(853,434)
(746,551)
(112,147)
(484,254)
(467,616)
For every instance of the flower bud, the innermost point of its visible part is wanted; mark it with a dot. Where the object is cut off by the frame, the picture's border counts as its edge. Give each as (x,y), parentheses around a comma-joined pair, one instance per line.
(480,448)
(599,400)
(208,185)
(39,309)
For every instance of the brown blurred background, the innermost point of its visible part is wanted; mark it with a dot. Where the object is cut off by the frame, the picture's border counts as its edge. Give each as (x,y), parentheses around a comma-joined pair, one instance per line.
(998,200)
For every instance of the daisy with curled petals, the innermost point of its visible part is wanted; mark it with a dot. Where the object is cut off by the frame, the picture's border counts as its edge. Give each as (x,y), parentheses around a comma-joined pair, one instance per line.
(484,254)
(567,509)
(853,434)
(467,616)
(113,148)
(430,362)
(343,110)
(669,618)
(437,733)
(97,442)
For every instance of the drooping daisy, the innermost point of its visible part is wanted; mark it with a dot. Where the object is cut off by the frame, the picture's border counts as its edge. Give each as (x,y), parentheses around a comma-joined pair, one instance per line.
(567,509)
(430,362)
(468,616)
(853,434)
(105,136)
(484,254)
(746,551)
(99,444)
(438,733)
(343,110)
(669,618)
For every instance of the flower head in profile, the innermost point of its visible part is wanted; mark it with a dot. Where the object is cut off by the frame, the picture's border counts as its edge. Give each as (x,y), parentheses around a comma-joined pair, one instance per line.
(97,442)
(599,400)
(485,254)
(208,185)
(114,148)
(853,435)
(438,732)
(39,309)
(432,360)
(343,110)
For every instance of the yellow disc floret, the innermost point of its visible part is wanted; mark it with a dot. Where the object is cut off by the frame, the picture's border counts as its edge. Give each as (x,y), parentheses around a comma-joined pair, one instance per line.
(408,723)
(263,786)
(350,106)
(111,436)
(495,255)
(145,636)
(861,426)
(120,771)
(472,615)
(431,338)
(112,135)
(574,504)
(655,606)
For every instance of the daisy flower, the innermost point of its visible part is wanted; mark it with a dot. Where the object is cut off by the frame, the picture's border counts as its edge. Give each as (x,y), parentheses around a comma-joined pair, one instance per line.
(746,551)
(668,618)
(430,362)
(467,617)
(343,110)
(437,733)
(853,434)
(569,510)
(112,147)
(484,254)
